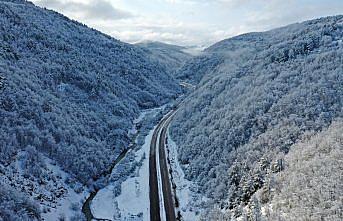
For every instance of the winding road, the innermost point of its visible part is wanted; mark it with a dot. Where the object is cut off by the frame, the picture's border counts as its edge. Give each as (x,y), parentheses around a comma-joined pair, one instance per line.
(158,140)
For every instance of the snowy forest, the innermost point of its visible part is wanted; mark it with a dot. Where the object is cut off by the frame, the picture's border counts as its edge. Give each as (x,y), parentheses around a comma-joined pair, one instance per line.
(173,57)
(263,93)
(70,93)
(257,134)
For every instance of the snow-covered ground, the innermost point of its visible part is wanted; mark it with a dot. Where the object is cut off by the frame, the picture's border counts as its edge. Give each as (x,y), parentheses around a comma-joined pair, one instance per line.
(133,202)
(188,200)
(134,130)
(104,199)
(54,196)
(70,203)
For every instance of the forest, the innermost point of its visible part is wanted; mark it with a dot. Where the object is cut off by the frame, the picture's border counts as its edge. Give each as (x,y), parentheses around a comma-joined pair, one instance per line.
(268,90)
(259,135)
(70,93)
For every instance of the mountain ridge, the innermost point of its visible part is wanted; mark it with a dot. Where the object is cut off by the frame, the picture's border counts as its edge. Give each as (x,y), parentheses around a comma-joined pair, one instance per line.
(172,56)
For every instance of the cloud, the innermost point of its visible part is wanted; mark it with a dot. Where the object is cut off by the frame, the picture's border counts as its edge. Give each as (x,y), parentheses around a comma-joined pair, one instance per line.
(168,31)
(100,9)
(189,22)
(278,13)
(228,3)
(141,28)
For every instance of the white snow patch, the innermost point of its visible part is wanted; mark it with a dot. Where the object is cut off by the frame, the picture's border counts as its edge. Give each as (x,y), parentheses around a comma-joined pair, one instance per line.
(64,206)
(53,195)
(133,202)
(141,116)
(103,205)
(187,198)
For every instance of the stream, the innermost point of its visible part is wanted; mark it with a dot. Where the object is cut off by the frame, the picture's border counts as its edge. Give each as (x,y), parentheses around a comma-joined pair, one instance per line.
(86,207)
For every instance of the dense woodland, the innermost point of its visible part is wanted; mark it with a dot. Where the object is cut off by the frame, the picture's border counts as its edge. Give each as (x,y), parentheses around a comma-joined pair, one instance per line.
(308,188)
(260,136)
(69,92)
(268,91)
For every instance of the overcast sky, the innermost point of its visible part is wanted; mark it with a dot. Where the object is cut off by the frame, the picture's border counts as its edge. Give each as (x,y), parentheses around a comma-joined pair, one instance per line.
(189,22)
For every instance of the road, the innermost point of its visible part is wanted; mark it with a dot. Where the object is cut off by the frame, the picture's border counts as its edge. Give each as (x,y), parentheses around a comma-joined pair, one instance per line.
(158,138)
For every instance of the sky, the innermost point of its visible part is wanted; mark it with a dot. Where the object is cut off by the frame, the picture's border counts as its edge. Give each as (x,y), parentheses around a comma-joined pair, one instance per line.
(189,22)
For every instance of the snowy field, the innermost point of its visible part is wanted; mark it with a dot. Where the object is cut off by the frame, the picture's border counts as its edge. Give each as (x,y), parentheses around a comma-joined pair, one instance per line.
(133,202)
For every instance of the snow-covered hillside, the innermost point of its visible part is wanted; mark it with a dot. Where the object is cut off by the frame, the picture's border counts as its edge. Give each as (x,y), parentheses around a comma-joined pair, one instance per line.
(259,93)
(69,93)
(257,137)
(172,56)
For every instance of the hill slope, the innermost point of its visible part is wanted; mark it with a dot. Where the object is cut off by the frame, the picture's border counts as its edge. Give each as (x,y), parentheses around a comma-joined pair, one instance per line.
(266,91)
(172,56)
(70,93)
(313,172)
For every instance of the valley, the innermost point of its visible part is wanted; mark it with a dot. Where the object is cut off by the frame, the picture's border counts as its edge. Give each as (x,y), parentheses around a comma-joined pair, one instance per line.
(93,128)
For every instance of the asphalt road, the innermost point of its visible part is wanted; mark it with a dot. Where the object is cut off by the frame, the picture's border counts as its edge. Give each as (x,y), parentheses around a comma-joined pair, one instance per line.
(160,135)
(169,204)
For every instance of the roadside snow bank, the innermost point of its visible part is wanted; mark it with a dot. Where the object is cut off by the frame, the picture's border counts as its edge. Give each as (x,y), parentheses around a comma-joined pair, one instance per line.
(188,200)
(126,198)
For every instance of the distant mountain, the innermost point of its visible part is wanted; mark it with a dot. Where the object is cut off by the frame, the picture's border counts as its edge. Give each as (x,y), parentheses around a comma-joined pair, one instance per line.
(199,66)
(172,56)
(69,93)
(258,95)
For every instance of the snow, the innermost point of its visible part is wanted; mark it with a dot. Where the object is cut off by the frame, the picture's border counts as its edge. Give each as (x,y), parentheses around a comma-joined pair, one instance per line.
(186,197)
(141,116)
(103,204)
(64,206)
(187,85)
(134,130)
(133,202)
(53,195)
